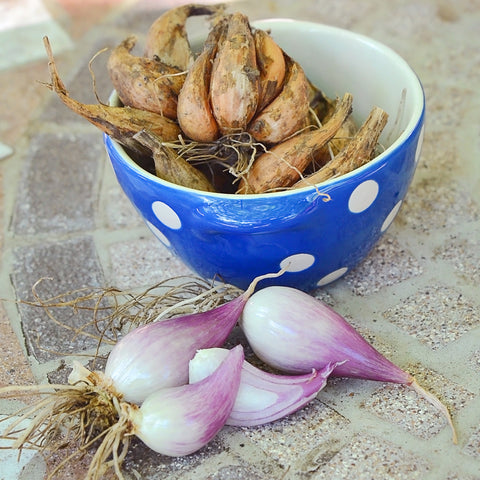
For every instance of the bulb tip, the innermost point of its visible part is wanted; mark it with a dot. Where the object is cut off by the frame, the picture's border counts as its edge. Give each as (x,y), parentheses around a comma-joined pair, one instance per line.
(437,404)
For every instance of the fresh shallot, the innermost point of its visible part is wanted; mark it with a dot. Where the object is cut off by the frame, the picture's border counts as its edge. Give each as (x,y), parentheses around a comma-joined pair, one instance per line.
(173,421)
(263,397)
(180,420)
(295,332)
(156,355)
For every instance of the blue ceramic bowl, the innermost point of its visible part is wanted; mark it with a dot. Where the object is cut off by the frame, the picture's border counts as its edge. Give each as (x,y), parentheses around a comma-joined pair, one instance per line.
(317,234)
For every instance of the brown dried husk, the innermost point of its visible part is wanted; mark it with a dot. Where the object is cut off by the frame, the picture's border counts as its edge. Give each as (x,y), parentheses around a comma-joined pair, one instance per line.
(282,165)
(359,150)
(144,83)
(121,123)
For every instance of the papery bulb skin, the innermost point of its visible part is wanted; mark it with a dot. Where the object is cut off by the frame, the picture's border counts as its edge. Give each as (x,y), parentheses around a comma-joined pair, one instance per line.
(156,355)
(295,332)
(262,397)
(180,420)
(234,80)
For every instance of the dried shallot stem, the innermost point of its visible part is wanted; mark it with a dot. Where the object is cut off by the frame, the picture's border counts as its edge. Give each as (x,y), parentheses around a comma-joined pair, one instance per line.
(358,151)
(121,123)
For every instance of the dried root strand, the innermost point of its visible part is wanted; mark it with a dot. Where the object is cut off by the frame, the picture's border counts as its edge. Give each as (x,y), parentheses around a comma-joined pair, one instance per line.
(358,151)
(84,415)
(115,311)
(432,399)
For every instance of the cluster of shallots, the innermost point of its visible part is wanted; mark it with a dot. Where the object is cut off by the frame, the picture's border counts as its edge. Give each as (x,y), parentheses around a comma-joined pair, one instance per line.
(241,85)
(238,116)
(171,384)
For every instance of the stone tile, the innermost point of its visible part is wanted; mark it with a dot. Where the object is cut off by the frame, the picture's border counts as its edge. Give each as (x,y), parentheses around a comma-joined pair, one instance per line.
(236,472)
(76,468)
(435,160)
(35,469)
(408,22)
(14,367)
(12,465)
(447,61)
(22,97)
(343,14)
(387,264)
(150,465)
(5,150)
(437,204)
(58,187)
(302,441)
(455,476)
(64,267)
(118,210)
(79,14)
(472,448)
(475,360)
(448,105)
(143,262)
(464,255)
(239,459)
(21,33)
(367,457)
(137,20)
(435,315)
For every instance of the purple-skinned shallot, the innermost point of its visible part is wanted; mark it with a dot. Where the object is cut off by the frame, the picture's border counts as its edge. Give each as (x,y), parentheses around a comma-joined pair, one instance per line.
(177,421)
(295,332)
(156,355)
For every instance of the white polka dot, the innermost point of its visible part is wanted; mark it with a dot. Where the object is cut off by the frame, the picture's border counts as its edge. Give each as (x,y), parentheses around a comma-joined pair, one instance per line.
(419,145)
(331,277)
(363,196)
(158,234)
(298,262)
(166,215)
(391,216)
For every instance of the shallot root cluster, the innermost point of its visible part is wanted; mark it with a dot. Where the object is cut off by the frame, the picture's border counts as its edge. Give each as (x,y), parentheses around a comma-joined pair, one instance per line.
(237,116)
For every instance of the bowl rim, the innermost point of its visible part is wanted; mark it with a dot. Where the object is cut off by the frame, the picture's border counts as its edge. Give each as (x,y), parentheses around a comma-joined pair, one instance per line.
(415,120)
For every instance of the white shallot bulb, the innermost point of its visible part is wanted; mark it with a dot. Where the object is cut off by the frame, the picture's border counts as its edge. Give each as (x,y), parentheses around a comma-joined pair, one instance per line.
(263,397)
(180,420)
